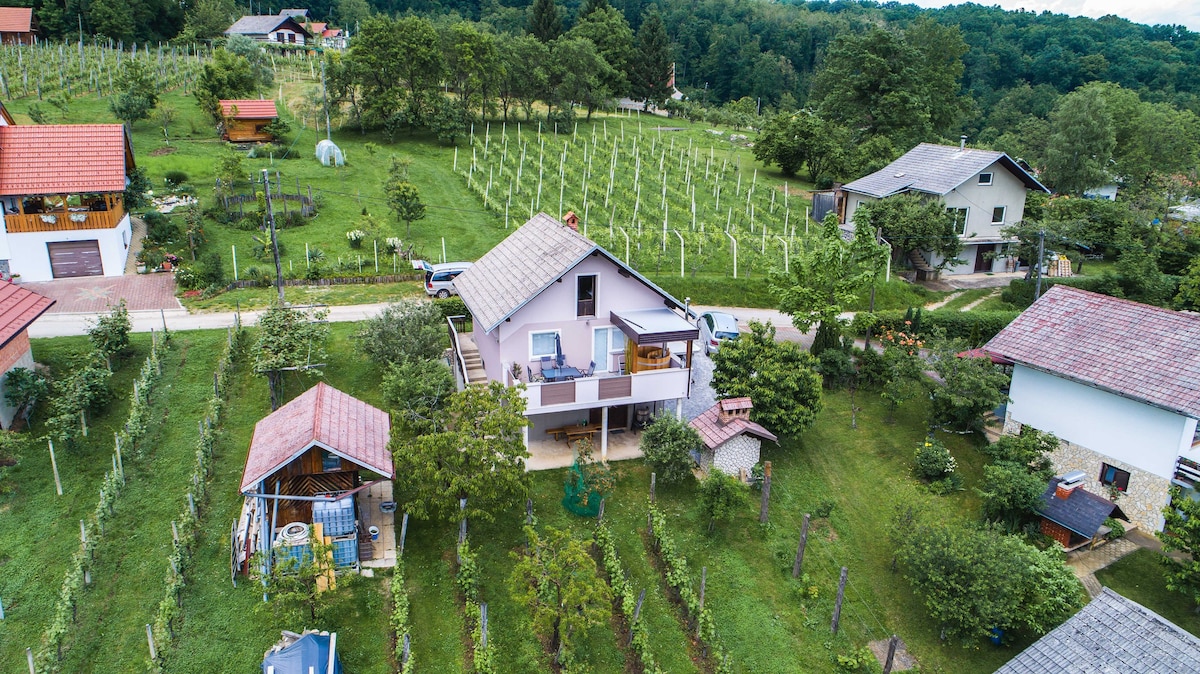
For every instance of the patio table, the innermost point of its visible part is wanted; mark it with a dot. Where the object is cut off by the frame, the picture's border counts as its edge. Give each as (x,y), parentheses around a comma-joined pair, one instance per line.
(561,373)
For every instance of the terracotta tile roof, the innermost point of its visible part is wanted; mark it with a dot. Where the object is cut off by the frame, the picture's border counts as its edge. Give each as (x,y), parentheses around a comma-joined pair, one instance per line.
(318,28)
(935,169)
(1134,350)
(15,19)
(322,416)
(734,404)
(62,158)
(249,109)
(18,308)
(331,32)
(714,433)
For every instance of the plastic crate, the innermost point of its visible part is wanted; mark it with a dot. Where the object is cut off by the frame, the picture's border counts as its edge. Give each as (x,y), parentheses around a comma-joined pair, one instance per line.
(345,552)
(336,517)
(299,553)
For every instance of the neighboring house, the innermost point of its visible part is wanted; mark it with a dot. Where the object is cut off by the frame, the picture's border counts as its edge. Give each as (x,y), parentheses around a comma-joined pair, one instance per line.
(1110,634)
(16,25)
(278,29)
(62,196)
(334,38)
(244,121)
(306,465)
(1072,515)
(1119,383)
(546,290)
(985,191)
(297,14)
(19,308)
(1104,192)
(731,441)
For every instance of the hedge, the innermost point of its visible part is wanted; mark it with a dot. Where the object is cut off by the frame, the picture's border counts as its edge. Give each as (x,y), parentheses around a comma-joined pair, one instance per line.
(974,326)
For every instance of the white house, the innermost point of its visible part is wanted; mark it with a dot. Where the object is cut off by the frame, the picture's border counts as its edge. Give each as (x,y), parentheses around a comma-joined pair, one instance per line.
(598,345)
(1119,383)
(277,29)
(62,200)
(985,191)
(732,443)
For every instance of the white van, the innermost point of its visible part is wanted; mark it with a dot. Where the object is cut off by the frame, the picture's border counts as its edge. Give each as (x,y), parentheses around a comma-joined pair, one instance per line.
(439,278)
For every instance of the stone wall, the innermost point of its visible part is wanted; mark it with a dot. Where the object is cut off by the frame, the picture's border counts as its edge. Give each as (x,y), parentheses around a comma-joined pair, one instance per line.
(738,453)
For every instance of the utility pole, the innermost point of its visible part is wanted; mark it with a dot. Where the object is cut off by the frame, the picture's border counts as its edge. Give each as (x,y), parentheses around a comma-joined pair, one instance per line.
(274,241)
(325,100)
(1037,291)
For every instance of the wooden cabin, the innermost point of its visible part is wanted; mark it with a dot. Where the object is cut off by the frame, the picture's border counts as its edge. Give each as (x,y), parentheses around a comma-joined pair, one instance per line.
(16,25)
(245,121)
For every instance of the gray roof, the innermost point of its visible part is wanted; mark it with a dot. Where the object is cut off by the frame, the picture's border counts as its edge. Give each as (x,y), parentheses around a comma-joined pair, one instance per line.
(1114,635)
(935,169)
(1082,512)
(520,267)
(261,25)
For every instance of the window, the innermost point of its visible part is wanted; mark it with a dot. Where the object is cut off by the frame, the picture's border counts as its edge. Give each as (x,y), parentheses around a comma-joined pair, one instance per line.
(960,219)
(985,178)
(1111,475)
(541,344)
(605,343)
(330,462)
(998,215)
(585,296)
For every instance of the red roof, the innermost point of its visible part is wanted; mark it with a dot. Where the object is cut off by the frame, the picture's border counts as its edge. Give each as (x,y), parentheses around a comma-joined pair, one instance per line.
(331,32)
(15,19)
(18,308)
(734,404)
(715,432)
(1134,350)
(325,417)
(63,158)
(984,353)
(317,28)
(249,109)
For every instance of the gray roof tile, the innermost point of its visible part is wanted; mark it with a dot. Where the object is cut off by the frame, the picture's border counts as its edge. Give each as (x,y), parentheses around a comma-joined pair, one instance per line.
(261,25)
(935,169)
(1082,512)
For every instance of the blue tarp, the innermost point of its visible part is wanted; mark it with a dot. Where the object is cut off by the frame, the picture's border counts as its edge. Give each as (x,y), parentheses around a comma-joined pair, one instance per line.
(311,650)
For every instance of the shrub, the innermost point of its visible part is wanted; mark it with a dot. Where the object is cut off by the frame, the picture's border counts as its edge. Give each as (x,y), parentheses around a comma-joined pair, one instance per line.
(974,326)
(667,444)
(933,461)
(161,230)
(1117,529)
(836,368)
(110,333)
(175,178)
(406,330)
(23,388)
(451,306)
(720,496)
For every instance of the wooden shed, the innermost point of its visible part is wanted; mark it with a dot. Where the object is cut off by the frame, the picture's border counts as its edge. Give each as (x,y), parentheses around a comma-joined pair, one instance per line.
(244,121)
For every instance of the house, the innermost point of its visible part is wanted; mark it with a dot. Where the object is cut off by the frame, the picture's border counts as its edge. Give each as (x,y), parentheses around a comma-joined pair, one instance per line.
(546,291)
(334,38)
(1072,515)
(1110,634)
(19,308)
(1118,383)
(731,441)
(279,29)
(984,190)
(62,205)
(16,25)
(306,465)
(245,121)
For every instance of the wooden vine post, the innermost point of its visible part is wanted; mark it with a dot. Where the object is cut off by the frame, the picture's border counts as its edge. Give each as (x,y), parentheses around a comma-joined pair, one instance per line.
(837,607)
(796,565)
(766,492)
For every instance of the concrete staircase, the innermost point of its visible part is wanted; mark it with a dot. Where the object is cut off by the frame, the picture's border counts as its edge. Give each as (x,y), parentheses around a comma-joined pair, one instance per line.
(470,356)
(925,271)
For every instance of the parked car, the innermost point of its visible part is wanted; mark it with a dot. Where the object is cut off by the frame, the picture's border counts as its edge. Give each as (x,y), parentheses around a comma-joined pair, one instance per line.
(716,327)
(439,278)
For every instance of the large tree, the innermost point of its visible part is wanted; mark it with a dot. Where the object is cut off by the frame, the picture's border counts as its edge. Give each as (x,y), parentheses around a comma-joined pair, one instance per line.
(909,222)
(802,139)
(477,453)
(610,32)
(578,75)
(650,71)
(289,340)
(472,64)
(226,76)
(780,377)
(524,73)
(208,19)
(545,21)
(1081,143)
(969,388)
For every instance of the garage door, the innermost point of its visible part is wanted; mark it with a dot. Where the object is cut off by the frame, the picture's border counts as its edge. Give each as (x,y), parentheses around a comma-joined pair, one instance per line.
(75,258)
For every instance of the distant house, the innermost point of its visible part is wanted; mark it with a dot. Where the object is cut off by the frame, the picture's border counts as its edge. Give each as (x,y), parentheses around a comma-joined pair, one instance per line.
(1110,634)
(984,190)
(731,441)
(1119,383)
(297,14)
(1071,515)
(19,308)
(244,121)
(62,200)
(16,25)
(275,29)
(334,38)
(592,340)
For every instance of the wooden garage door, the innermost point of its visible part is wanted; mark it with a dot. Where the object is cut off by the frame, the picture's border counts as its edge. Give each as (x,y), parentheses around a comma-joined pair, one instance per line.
(75,258)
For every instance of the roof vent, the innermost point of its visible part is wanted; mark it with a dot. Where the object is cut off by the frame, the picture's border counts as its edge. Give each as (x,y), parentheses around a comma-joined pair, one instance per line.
(899,175)
(962,142)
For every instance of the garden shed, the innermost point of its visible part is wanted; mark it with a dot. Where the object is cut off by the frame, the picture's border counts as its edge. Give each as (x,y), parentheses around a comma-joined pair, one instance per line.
(731,441)
(1072,515)
(19,308)
(245,121)
(314,461)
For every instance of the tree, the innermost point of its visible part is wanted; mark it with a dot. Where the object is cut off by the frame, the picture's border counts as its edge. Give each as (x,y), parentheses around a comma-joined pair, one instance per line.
(667,444)
(1011,494)
(793,141)
(295,584)
(350,13)
(137,93)
(112,18)
(405,331)
(650,72)
(828,275)
(1081,142)
(1181,532)
(164,116)
(556,580)
(524,73)
(136,188)
(208,19)
(903,369)
(721,495)
(476,452)
(910,222)
(545,23)
(402,197)
(23,388)
(779,376)
(226,76)
(471,61)
(970,387)
(109,334)
(1137,268)
(416,391)
(1188,297)
(578,74)
(289,340)
(610,32)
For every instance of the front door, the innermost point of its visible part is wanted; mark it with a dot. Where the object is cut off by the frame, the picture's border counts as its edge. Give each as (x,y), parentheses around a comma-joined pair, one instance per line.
(983,258)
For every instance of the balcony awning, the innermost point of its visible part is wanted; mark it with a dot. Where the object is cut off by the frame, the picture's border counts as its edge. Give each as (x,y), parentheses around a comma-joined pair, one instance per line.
(654,326)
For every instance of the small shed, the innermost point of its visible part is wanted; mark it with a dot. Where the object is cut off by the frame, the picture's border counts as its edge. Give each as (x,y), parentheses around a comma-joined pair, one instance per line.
(245,121)
(19,308)
(732,442)
(303,654)
(1072,515)
(16,25)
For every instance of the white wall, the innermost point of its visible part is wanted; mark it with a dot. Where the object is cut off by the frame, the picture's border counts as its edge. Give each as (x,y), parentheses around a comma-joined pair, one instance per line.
(30,258)
(1129,431)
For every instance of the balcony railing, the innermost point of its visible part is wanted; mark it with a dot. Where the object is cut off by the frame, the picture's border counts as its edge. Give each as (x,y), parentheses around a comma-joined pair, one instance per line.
(62,221)
(668,382)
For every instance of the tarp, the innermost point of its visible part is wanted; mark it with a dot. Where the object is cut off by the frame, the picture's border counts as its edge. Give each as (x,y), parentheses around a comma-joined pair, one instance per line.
(311,650)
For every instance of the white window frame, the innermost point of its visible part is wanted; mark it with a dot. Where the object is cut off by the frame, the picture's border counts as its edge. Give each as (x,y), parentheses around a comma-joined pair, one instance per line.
(990,178)
(537,356)
(1003,215)
(612,350)
(966,211)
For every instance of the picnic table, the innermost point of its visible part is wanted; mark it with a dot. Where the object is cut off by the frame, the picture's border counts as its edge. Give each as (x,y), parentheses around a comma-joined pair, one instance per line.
(572,433)
(561,373)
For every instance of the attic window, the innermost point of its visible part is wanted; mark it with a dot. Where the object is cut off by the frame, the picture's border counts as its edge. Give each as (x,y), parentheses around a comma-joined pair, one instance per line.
(985,178)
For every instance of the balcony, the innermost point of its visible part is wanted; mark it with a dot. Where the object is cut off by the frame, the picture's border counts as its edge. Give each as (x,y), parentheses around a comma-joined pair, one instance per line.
(65,214)
(670,380)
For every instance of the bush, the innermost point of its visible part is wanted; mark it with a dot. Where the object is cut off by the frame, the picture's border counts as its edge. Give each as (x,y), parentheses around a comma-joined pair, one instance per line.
(161,230)
(976,327)
(406,330)
(110,333)
(23,388)
(933,461)
(451,306)
(1117,529)
(667,444)
(1019,292)
(175,178)
(836,368)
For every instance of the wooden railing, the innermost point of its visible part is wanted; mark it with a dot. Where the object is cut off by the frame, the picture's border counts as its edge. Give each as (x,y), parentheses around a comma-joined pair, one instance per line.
(58,221)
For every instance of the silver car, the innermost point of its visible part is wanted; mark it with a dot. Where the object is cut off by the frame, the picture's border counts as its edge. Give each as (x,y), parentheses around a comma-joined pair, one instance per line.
(716,327)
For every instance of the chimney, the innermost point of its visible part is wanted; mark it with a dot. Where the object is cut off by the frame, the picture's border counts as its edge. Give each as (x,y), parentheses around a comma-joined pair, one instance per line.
(571,220)
(962,142)
(1068,483)
(734,408)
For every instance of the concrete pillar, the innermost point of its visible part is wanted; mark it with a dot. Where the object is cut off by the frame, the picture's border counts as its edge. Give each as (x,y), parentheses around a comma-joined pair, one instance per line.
(604,434)
(679,408)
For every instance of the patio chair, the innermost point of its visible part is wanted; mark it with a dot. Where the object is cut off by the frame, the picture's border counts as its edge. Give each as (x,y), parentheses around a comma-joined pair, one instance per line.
(588,372)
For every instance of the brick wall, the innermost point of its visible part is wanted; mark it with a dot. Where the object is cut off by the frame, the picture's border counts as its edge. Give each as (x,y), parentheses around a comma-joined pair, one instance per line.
(1057,531)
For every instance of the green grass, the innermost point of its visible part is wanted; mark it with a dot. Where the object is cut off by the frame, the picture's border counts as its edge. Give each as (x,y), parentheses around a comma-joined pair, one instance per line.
(1140,576)
(258,298)
(968,296)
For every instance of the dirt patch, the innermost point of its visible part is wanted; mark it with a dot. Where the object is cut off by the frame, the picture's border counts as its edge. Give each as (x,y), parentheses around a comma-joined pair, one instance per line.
(902,661)
(161,151)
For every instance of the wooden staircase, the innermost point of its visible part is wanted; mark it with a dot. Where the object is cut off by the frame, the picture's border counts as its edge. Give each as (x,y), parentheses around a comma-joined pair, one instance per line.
(925,271)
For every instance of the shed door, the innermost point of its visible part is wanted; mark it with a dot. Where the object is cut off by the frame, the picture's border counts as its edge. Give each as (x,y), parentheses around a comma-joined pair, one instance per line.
(75,258)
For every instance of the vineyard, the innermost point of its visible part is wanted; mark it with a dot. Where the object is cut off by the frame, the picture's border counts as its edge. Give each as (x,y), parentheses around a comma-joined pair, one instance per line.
(663,203)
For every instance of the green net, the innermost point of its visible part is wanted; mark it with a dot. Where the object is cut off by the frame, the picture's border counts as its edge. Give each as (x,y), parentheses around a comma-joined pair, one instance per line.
(578,497)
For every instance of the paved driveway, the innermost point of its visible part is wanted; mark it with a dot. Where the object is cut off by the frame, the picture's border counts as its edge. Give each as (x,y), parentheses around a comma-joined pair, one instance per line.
(94,294)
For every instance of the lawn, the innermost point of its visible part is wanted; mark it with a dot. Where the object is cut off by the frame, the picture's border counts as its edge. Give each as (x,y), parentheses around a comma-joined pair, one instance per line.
(1140,576)
(258,298)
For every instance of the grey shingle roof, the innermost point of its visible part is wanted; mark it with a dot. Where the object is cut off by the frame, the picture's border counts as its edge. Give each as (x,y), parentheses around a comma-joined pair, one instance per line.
(1134,350)
(1082,512)
(1114,635)
(935,169)
(261,25)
